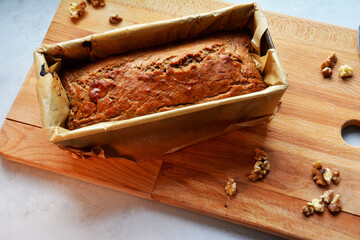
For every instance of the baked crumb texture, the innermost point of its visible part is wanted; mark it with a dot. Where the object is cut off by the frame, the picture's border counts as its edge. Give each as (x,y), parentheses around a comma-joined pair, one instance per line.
(160,79)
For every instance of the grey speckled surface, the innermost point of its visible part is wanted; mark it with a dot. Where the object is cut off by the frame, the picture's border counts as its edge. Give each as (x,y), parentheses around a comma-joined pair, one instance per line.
(35,204)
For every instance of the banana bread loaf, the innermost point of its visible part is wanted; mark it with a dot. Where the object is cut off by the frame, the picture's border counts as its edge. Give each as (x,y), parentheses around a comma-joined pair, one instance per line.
(161,78)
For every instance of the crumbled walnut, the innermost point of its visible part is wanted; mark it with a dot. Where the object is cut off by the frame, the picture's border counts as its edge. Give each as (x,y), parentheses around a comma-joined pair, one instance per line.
(261,166)
(317,204)
(76,10)
(330,61)
(328,196)
(345,71)
(316,166)
(308,209)
(230,187)
(260,155)
(319,177)
(97,3)
(267,166)
(326,72)
(254,176)
(336,176)
(323,176)
(115,18)
(335,205)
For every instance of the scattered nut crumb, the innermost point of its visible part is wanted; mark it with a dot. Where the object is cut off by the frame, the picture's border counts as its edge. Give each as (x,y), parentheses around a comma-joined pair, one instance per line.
(326,72)
(76,10)
(328,196)
(115,18)
(345,71)
(97,3)
(335,205)
(330,61)
(230,187)
(261,166)
(336,176)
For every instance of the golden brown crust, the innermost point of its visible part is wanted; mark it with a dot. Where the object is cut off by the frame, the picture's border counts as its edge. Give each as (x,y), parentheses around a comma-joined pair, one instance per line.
(160,79)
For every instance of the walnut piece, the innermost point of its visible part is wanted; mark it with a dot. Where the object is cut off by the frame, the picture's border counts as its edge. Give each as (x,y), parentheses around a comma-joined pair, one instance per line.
(335,205)
(316,166)
(261,166)
(97,3)
(327,175)
(317,204)
(328,196)
(324,176)
(230,187)
(115,18)
(76,10)
(319,178)
(326,72)
(345,71)
(330,61)
(308,209)
(336,176)
(260,155)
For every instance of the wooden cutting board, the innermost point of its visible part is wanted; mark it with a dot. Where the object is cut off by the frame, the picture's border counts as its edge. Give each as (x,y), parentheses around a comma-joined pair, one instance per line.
(306,128)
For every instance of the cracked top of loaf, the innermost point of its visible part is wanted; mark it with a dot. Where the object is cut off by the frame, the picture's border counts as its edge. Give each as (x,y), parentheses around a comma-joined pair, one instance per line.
(161,78)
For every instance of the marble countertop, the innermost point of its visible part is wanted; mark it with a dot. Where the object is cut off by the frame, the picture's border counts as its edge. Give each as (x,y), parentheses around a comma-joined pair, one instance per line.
(35,204)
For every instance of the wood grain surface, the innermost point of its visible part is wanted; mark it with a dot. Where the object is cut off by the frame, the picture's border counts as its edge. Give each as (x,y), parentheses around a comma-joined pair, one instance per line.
(306,128)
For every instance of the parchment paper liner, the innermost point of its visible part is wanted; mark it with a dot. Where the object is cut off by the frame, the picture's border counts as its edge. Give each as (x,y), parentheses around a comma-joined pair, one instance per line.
(150,136)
